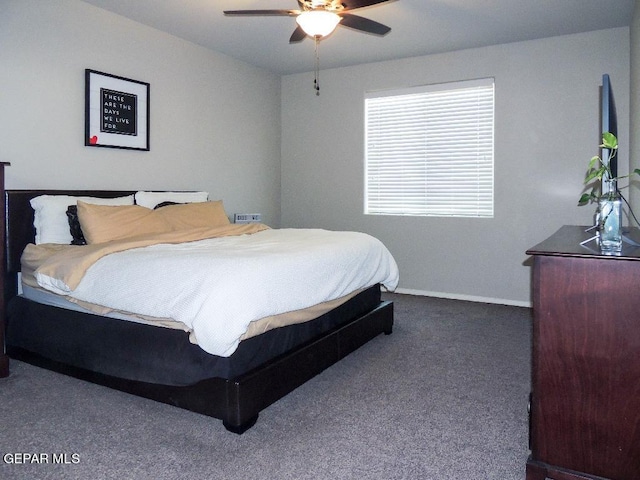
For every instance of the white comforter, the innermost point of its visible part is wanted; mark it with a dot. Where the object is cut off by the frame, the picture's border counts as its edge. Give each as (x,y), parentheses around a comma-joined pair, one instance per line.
(216,287)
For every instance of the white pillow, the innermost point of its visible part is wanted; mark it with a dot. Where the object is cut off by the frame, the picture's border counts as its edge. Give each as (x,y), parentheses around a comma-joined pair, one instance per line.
(151,199)
(50,215)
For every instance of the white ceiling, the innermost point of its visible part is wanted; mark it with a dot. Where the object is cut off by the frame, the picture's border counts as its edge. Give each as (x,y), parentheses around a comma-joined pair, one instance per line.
(418,27)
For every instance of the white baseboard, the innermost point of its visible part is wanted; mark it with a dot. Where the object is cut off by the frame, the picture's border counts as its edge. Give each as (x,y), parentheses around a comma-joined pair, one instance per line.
(469,298)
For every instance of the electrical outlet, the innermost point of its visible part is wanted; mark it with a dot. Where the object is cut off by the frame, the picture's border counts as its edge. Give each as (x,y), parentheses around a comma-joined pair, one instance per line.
(247,218)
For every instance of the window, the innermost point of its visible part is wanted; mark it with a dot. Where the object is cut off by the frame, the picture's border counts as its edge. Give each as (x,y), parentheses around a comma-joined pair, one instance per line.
(429,150)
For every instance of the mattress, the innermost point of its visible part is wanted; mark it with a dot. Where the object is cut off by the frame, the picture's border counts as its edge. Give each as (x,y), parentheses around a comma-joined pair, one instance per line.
(45,297)
(257,327)
(218,287)
(154,354)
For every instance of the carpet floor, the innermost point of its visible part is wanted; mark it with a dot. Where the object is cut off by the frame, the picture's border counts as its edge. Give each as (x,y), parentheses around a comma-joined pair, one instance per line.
(444,397)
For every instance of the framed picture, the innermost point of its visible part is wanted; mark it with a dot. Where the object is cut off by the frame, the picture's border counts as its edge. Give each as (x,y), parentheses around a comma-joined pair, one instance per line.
(116,112)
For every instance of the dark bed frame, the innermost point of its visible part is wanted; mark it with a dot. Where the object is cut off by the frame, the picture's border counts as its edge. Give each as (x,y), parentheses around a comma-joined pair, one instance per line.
(237,400)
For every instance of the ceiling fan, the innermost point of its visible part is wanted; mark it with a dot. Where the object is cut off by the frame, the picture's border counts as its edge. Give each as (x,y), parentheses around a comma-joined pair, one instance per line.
(319,18)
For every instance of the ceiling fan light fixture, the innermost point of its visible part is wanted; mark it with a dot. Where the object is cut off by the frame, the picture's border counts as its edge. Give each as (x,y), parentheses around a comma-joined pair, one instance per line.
(318,23)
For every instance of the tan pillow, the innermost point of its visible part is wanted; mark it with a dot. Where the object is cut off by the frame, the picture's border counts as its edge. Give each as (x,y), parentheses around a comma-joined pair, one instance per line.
(103,223)
(194,215)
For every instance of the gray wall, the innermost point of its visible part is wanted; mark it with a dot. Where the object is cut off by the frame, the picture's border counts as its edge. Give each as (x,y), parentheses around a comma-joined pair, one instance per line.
(214,120)
(547,129)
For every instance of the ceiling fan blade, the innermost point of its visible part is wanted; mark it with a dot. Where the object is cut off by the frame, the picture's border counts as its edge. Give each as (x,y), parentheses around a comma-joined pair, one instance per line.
(290,13)
(363,24)
(298,35)
(353,4)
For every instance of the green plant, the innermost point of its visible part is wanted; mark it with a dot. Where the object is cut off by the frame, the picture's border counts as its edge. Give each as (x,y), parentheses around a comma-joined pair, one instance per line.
(599,169)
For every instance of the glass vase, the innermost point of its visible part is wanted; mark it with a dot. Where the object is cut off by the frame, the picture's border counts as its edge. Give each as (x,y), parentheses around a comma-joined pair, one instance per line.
(610,219)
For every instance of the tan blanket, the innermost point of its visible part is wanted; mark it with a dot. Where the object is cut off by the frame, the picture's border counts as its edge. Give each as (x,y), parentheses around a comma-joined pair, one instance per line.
(66,266)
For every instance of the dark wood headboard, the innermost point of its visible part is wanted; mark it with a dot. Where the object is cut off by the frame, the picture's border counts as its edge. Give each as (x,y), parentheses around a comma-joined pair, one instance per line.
(19,219)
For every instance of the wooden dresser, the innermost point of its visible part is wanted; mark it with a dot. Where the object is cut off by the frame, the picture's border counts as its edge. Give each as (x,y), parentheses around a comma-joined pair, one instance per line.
(585,397)
(4,358)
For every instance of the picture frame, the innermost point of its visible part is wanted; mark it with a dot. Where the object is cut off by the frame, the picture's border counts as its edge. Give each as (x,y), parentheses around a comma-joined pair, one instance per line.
(116,111)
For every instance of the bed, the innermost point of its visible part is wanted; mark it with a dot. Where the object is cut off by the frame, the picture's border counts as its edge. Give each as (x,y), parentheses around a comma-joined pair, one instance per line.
(165,364)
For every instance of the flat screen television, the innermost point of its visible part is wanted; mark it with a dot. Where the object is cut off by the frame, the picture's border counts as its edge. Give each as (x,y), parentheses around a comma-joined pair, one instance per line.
(609,119)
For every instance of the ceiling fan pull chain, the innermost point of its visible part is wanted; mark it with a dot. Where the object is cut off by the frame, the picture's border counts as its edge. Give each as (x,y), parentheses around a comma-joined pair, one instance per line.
(316,81)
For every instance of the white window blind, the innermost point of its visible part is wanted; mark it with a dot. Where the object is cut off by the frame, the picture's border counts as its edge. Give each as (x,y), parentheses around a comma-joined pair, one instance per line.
(429,150)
